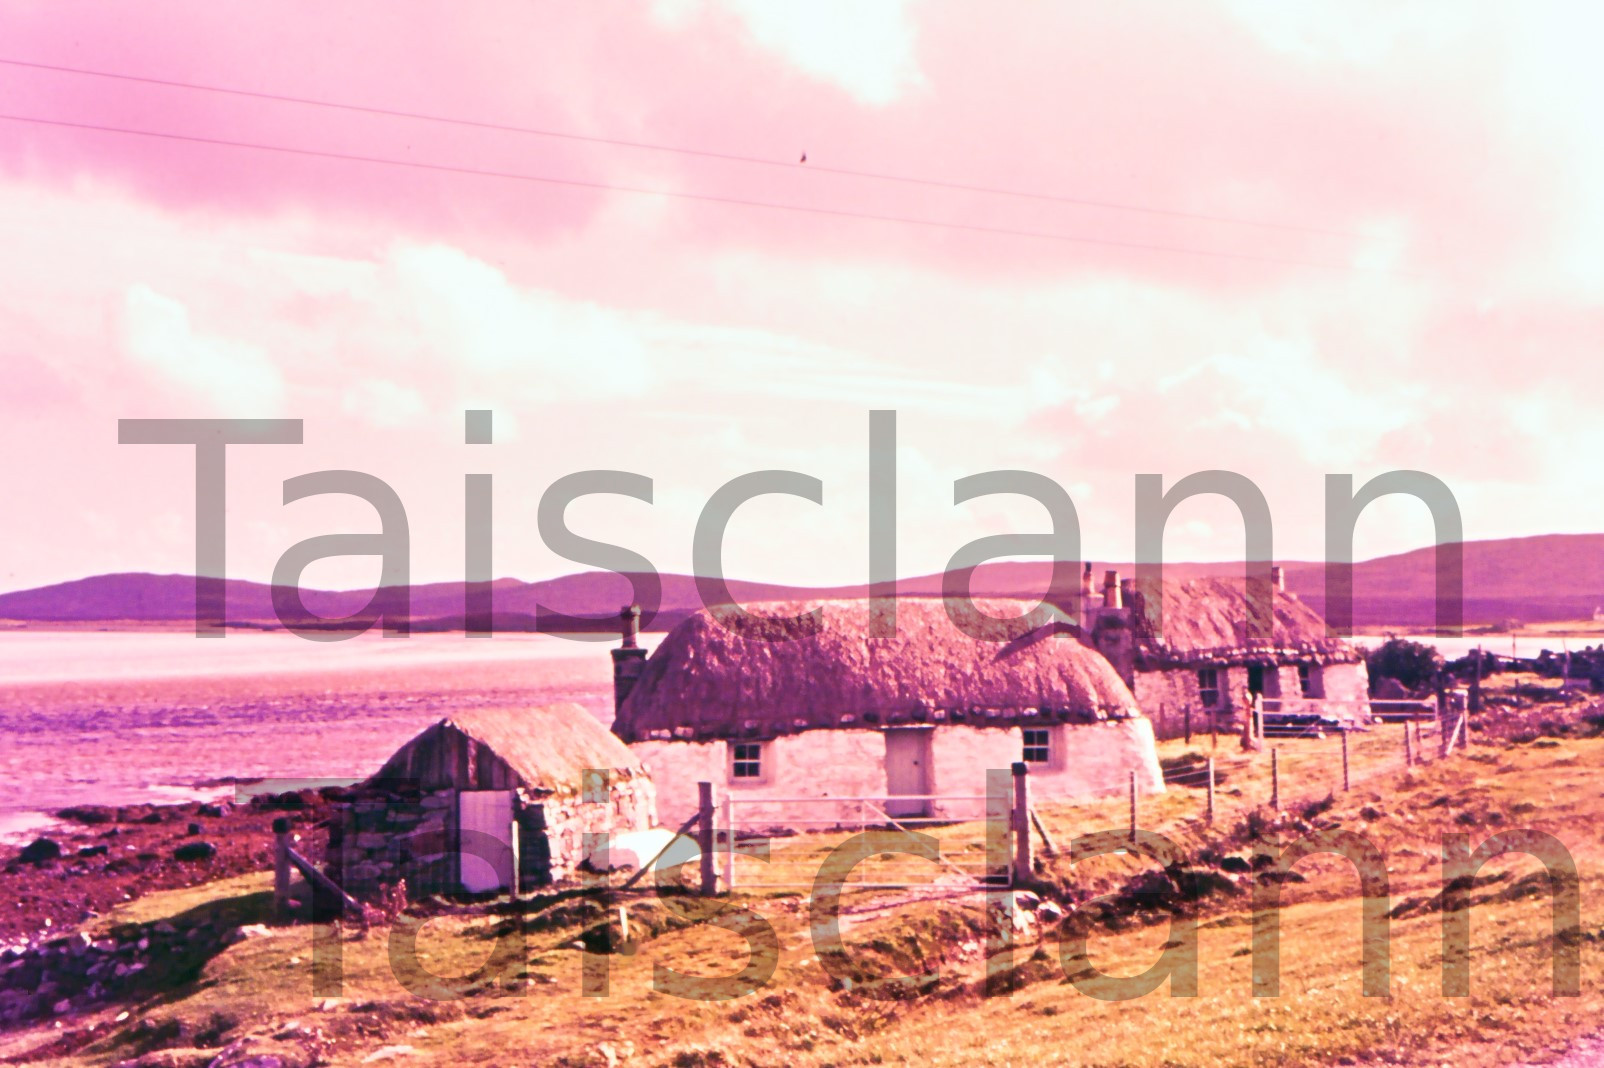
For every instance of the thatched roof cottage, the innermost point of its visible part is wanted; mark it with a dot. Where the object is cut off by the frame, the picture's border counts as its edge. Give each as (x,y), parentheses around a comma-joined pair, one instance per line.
(1189,650)
(774,708)
(489,799)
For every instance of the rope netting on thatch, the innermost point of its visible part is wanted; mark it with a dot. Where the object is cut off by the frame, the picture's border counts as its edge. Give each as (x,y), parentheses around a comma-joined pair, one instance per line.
(780,668)
(546,748)
(1209,619)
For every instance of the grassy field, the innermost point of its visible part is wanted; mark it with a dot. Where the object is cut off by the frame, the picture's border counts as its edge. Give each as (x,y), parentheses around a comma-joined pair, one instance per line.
(262,986)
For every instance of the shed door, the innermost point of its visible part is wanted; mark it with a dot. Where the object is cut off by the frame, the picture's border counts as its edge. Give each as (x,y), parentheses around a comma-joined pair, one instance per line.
(489,855)
(908,771)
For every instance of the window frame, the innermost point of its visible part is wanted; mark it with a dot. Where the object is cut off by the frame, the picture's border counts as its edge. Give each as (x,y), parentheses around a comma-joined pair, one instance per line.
(1311,681)
(1045,746)
(759,759)
(1204,691)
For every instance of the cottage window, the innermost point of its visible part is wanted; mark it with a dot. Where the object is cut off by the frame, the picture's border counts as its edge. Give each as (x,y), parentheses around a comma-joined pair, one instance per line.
(1038,745)
(746,760)
(1310,682)
(1208,687)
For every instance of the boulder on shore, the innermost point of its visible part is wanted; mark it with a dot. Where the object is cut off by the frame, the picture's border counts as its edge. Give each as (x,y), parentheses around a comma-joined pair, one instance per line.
(40,850)
(89,814)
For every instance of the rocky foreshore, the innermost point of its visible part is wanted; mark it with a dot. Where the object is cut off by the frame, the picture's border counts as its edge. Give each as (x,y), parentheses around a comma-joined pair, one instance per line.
(99,857)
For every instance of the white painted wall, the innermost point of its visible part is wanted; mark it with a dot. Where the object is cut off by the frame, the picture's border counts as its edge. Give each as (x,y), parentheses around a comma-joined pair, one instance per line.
(836,763)
(814,764)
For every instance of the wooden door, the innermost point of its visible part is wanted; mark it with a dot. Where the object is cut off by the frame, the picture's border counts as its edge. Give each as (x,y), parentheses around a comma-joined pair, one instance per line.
(489,841)
(908,771)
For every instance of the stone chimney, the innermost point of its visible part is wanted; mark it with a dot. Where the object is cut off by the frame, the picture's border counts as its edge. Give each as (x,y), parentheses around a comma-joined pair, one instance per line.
(1111,590)
(1278,577)
(629,658)
(1087,590)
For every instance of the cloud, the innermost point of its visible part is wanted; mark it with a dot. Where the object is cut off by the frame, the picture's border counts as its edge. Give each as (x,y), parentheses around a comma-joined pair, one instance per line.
(236,378)
(383,404)
(466,313)
(864,46)
(1440,286)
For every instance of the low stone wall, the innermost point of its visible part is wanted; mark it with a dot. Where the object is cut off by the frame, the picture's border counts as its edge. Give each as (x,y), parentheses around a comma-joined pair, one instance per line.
(72,974)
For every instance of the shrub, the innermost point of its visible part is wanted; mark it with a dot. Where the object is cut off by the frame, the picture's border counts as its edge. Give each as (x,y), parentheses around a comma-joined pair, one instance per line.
(1412,664)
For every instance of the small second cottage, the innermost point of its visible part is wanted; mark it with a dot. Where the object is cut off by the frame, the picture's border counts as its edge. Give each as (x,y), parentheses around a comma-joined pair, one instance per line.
(1189,654)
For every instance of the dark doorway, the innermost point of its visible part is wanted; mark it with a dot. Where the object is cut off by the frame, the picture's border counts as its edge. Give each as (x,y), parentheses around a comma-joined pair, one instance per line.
(1255,678)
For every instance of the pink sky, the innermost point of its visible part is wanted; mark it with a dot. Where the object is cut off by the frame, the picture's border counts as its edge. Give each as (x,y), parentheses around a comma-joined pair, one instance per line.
(1432,298)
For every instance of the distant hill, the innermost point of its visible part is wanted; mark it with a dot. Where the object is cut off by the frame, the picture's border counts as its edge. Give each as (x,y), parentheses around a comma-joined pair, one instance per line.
(1538,579)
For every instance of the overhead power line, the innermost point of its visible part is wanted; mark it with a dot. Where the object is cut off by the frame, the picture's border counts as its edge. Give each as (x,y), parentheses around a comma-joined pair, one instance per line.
(728,157)
(706,198)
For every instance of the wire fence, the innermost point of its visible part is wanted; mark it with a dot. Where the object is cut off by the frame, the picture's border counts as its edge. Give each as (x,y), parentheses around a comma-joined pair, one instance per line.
(967,841)
(1293,773)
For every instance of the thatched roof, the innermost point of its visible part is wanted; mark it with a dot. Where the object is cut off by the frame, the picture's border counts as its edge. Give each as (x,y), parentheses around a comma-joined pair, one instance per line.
(1207,620)
(717,676)
(544,750)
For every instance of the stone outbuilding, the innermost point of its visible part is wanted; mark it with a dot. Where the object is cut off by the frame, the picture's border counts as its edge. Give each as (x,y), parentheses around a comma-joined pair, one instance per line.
(819,700)
(489,800)
(1189,650)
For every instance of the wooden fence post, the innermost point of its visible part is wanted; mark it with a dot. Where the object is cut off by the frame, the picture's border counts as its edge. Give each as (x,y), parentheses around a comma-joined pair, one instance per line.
(1133,806)
(729,841)
(1346,783)
(1475,684)
(1211,789)
(281,867)
(704,837)
(1189,723)
(1275,778)
(1445,731)
(1020,819)
(1409,755)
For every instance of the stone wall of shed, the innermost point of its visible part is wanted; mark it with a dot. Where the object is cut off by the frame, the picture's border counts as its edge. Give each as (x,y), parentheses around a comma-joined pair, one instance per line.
(554,828)
(375,842)
(378,841)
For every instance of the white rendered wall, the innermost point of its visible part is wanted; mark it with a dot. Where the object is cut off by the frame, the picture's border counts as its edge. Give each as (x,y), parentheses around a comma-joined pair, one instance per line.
(1085,761)
(833,763)
(1347,682)
(814,764)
